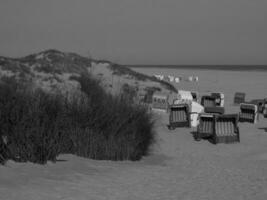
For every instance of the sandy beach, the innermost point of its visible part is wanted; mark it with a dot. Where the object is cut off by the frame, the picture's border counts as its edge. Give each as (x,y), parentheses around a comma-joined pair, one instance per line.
(178,168)
(80,107)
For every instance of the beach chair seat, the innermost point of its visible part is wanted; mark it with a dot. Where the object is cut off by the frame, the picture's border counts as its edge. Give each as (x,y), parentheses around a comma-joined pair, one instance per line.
(208,101)
(218,110)
(179,116)
(248,113)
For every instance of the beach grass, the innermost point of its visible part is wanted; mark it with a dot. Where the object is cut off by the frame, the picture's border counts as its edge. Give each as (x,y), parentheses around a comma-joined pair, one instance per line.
(37,126)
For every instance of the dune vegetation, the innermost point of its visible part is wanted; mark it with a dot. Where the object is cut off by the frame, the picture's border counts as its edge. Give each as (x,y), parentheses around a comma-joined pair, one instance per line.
(37,126)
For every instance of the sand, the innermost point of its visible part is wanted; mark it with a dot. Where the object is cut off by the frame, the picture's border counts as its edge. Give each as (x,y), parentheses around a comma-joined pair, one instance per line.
(178,168)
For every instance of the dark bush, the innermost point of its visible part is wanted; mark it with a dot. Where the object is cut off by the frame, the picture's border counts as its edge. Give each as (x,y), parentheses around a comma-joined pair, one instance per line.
(116,128)
(37,127)
(32,124)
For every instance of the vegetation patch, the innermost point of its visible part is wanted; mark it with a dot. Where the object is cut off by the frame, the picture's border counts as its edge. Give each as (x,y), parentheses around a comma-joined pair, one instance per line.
(37,126)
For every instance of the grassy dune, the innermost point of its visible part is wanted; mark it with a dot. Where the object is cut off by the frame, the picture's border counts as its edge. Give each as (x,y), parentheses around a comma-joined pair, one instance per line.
(37,126)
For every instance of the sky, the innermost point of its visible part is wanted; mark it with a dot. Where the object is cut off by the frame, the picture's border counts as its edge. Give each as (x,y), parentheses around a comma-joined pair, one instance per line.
(139,31)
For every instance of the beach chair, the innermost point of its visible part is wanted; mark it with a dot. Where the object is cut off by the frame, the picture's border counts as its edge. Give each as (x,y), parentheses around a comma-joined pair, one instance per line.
(226,129)
(259,103)
(264,112)
(160,102)
(218,128)
(239,97)
(219,98)
(179,116)
(248,113)
(183,97)
(217,110)
(208,101)
(205,129)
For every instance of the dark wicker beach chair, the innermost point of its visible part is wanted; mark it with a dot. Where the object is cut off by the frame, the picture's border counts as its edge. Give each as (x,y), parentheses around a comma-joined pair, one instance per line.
(205,128)
(179,116)
(208,101)
(264,111)
(259,103)
(218,128)
(239,97)
(226,129)
(248,113)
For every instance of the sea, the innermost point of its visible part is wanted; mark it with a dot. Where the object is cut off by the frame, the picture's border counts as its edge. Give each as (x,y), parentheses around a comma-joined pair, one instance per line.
(207,67)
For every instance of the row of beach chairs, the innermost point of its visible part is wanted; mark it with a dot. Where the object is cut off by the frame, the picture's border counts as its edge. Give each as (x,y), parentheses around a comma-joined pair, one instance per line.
(223,127)
(218,128)
(215,126)
(213,123)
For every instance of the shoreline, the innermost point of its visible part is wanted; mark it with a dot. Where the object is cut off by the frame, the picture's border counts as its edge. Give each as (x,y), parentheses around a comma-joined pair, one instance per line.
(249,68)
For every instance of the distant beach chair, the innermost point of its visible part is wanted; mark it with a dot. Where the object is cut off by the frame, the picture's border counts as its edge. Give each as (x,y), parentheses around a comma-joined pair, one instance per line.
(208,101)
(264,112)
(190,78)
(248,113)
(183,97)
(239,97)
(171,78)
(259,103)
(160,101)
(179,116)
(218,128)
(157,76)
(177,79)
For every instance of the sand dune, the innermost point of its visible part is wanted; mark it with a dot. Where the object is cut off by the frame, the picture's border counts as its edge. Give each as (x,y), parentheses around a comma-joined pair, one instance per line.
(178,168)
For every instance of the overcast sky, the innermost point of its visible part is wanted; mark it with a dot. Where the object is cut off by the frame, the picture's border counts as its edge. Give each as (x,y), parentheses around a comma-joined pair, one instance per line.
(139,31)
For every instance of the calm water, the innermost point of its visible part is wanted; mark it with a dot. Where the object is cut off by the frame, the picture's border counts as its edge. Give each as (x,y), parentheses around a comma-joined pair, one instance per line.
(207,67)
